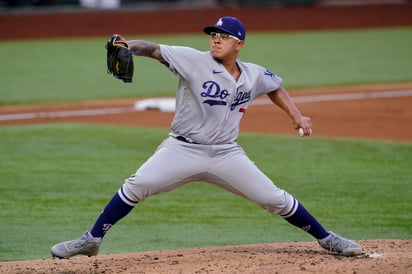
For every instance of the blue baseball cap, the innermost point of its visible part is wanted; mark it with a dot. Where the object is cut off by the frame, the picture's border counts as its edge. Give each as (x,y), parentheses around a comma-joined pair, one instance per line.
(230,25)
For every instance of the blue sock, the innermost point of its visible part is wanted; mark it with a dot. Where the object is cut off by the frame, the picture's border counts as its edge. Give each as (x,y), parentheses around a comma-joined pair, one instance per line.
(115,210)
(305,221)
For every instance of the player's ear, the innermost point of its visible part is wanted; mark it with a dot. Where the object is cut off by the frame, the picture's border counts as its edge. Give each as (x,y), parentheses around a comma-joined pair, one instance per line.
(239,44)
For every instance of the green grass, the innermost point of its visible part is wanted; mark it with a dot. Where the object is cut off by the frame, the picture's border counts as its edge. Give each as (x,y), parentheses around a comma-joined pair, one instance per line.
(75,69)
(56,178)
(336,58)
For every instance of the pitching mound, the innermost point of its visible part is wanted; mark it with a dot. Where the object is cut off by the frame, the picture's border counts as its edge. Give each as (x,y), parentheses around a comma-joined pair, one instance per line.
(381,256)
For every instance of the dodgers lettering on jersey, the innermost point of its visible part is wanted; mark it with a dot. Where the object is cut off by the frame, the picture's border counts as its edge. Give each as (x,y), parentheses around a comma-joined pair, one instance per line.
(213,90)
(209,101)
(241,97)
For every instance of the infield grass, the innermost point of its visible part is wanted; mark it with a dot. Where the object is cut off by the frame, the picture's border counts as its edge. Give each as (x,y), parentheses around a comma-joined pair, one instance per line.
(75,69)
(56,178)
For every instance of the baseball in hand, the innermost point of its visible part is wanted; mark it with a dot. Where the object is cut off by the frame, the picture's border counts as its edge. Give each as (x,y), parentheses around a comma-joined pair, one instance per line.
(301,133)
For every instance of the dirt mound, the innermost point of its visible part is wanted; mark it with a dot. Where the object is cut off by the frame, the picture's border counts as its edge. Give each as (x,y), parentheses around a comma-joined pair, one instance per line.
(381,256)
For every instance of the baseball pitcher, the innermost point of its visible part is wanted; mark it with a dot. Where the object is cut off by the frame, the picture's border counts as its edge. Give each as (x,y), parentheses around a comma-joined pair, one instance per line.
(214,91)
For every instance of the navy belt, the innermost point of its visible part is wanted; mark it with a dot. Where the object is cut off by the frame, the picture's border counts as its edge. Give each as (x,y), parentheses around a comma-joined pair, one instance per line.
(184,139)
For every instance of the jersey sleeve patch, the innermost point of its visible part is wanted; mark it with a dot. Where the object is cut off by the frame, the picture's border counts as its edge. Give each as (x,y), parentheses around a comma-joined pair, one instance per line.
(269,73)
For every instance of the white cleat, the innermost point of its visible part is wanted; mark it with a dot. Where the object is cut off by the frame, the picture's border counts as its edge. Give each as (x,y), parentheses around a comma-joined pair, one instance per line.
(86,245)
(338,245)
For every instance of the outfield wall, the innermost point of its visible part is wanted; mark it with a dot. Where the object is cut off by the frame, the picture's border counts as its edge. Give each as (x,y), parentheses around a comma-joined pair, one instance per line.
(87,23)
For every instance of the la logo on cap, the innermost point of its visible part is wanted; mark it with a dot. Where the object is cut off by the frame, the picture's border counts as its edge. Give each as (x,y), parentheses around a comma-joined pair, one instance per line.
(228,24)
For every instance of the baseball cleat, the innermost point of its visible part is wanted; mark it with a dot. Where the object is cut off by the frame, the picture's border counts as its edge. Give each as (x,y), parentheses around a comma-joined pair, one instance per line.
(86,245)
(338,245)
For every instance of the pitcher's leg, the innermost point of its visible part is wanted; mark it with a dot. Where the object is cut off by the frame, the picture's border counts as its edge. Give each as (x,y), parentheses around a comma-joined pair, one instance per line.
(238,172)
(304,220)
(172,165)
(166,169)
(115,210)
(242,174)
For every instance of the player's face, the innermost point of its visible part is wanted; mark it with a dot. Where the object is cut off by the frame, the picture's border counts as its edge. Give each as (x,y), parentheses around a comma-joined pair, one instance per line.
(223,46)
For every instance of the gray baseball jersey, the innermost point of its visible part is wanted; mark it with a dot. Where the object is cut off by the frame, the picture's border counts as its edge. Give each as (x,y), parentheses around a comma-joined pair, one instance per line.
(209,102)
(209,106)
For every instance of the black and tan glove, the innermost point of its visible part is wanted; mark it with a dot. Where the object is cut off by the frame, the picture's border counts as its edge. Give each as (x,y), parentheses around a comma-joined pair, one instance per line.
(119,58)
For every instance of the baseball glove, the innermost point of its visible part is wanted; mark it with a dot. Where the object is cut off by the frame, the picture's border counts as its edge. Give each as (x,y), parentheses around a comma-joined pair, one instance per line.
(119,58)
